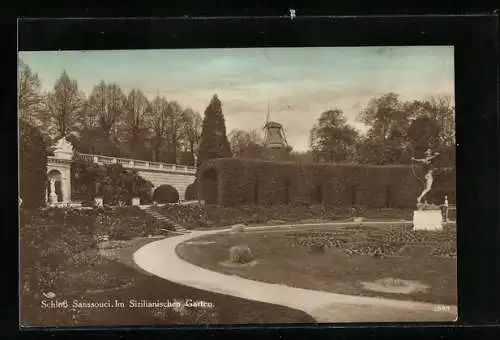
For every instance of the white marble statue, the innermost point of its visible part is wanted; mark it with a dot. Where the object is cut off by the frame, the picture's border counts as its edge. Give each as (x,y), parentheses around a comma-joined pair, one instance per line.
(429,168)
(52,182)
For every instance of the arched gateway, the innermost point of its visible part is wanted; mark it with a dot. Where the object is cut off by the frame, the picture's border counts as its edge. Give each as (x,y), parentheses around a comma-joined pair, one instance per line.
(59,172)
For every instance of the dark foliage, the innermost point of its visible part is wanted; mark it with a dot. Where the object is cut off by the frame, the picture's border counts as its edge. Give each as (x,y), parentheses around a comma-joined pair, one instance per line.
(60,254)
(95,141)
(112,182)
(166,194)
(214,142)
(32,166)
(186,158)
(52,239)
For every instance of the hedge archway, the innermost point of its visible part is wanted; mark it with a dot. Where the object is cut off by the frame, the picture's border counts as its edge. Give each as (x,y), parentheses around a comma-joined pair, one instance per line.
(288,184)
(166,194)
(209,186)
(354,194)
(32,166)
(191,192)
(389,197)
(317,194)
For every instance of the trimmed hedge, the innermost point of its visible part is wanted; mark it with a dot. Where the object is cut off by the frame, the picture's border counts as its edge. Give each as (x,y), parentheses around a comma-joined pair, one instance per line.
(232,181)
(32,166)
(166,194)
(444,184)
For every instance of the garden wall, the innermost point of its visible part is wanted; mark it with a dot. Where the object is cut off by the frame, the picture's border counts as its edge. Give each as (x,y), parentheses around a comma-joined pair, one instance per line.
(232,181)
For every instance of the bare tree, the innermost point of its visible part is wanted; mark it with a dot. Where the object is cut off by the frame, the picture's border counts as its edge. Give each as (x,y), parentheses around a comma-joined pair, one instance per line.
(107,101)
(30,97)
(174,130)
(65,106)
(191,125)
(138,115)
(159,111)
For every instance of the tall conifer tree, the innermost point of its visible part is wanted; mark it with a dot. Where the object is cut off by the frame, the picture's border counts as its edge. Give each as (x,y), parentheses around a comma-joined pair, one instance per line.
(214,142)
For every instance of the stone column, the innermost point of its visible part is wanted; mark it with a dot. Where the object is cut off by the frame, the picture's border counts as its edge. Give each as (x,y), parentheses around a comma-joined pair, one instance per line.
(181,191)
(63,188)
(67,185)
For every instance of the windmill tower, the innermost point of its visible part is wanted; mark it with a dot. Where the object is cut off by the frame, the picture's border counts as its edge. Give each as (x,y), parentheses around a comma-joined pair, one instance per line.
(275,138)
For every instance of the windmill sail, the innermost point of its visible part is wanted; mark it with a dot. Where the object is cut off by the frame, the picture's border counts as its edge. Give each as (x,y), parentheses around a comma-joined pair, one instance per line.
(267,117)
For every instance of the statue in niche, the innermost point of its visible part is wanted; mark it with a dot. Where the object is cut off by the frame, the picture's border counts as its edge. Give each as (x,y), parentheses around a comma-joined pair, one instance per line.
(52,182)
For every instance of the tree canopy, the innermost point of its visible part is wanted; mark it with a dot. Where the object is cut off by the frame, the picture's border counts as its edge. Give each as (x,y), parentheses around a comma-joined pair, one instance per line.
(115,122)
(332,139)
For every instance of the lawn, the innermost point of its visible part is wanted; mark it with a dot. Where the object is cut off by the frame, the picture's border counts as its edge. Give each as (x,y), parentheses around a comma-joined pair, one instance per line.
(352,255)
(59,256)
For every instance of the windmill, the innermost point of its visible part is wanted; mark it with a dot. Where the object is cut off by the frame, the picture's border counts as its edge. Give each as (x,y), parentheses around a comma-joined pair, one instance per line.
(274,134)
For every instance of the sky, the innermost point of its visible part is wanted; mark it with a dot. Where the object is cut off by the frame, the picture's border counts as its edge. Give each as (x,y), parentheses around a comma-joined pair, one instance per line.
(298,84)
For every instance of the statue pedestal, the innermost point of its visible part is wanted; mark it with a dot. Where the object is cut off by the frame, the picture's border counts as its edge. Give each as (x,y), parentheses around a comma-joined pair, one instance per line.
(98,202)
(53,198)
(136,201)
(427,220)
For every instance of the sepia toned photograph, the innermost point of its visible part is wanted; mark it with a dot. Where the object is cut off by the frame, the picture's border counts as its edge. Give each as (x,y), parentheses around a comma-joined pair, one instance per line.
(237,186)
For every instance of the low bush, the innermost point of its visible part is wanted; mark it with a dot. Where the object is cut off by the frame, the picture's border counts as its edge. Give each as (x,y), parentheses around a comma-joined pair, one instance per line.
(166,194)
(207,216)
(240,254)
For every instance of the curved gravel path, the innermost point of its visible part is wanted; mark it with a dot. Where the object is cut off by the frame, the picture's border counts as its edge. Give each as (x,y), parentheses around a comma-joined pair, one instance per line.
(160,258)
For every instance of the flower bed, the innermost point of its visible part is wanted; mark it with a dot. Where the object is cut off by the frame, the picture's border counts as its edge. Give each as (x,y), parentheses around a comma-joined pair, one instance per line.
(445,249)
(367,241)
(54,240)
(406,235)
(60,255)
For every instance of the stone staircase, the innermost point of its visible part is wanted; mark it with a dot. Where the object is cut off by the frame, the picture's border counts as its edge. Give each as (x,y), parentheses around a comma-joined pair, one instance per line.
(165,221)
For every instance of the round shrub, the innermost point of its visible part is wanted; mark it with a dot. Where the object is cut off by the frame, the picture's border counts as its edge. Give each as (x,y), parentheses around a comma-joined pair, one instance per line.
(166,194)
(32,166)
(191,192)
(240,254)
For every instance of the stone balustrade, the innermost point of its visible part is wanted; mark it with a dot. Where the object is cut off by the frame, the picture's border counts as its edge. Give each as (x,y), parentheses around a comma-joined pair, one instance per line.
(139,164)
